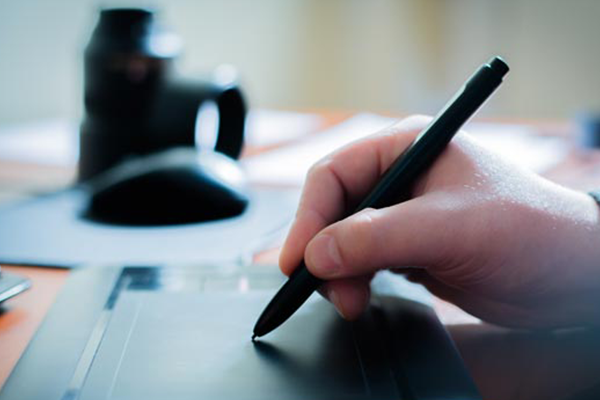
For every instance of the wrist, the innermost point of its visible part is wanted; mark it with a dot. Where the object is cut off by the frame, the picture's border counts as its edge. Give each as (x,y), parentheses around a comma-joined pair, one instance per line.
(585,265)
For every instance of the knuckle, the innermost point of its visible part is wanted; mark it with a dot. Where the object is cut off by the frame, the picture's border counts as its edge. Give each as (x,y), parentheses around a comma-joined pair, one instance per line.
(410,124)
(358,240)
(318,169)
(417,119)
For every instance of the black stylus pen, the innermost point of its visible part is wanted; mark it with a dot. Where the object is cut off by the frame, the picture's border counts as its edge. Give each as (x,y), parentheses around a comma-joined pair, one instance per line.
(395,184)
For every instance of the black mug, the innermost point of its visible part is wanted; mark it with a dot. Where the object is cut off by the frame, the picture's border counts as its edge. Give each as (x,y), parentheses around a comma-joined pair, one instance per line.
(134,106)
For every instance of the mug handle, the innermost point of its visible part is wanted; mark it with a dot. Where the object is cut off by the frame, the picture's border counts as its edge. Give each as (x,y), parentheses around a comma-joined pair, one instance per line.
(172,121)
(232,121)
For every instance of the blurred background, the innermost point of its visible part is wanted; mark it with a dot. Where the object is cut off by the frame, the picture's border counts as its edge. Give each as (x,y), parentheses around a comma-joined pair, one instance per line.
(394,56)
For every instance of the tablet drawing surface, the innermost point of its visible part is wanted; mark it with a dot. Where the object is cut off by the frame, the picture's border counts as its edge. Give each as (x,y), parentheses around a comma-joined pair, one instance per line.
(187,346)
(184,333)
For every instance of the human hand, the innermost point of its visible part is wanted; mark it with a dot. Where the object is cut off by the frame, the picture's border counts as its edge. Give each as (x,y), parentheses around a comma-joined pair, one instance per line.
(503,243)
(508,364)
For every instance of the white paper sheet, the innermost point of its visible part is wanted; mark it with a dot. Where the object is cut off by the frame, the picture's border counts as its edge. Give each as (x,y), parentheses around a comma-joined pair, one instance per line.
(55,142)
(52,142)
(289,165)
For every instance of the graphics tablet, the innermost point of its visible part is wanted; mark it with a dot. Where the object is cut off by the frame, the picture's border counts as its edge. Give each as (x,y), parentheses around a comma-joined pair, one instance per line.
(150,333)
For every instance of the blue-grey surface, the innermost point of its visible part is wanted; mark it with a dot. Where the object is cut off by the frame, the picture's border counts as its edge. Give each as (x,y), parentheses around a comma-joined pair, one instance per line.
(49,230)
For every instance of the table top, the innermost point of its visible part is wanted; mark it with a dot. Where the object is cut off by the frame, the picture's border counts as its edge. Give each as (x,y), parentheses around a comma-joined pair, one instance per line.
(21,316)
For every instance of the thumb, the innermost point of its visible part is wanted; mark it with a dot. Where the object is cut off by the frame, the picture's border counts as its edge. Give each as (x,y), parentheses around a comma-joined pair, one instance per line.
(406,234)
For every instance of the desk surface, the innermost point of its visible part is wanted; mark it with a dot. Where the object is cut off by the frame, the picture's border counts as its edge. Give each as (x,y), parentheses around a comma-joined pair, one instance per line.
(20,317)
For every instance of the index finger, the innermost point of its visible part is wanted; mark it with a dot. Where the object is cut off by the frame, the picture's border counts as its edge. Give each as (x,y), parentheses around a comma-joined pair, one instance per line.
(338,182)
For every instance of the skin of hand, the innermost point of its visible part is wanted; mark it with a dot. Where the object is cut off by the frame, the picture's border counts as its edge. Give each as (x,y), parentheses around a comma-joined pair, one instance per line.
(509,364)
(502,243)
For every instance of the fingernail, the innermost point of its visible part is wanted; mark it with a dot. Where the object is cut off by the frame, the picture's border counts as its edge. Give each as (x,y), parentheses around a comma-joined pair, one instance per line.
(324,256)
(335,299)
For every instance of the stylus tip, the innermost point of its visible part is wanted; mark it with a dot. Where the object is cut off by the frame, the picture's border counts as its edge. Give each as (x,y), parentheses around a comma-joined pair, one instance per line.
(254,338)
